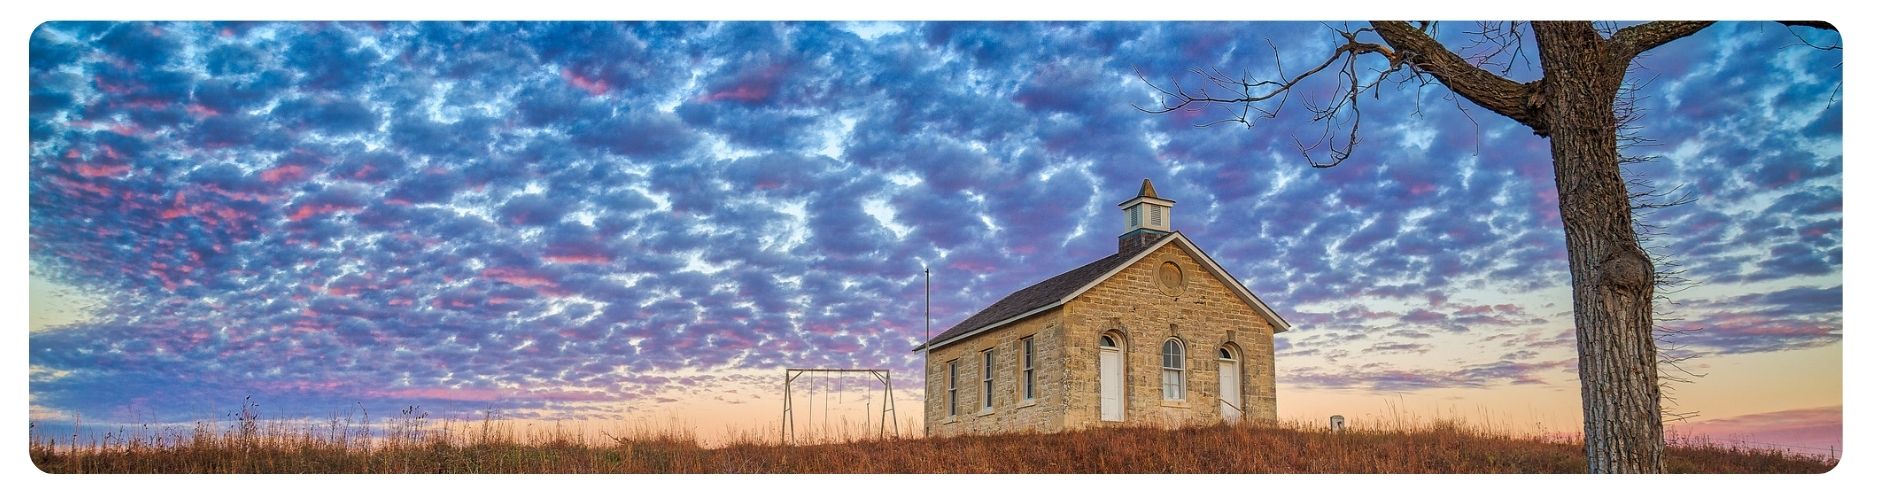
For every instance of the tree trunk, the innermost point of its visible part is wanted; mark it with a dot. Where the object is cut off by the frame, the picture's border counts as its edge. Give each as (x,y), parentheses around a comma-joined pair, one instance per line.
(1612,279)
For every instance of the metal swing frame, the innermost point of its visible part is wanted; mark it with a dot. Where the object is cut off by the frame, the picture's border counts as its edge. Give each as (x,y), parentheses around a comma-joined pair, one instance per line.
(788,401)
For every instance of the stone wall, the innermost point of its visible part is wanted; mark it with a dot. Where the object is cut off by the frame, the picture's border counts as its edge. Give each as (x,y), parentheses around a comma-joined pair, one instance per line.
(1204,314)
(1044,412)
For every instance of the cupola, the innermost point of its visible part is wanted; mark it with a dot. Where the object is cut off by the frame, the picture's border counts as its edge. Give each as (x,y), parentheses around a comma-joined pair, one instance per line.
(1146,218)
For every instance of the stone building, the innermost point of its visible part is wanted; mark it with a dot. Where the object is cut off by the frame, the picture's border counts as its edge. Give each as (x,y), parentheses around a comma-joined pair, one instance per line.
(1156,334)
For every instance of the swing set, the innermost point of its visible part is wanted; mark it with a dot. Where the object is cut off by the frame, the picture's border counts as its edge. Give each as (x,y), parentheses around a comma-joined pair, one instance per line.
(830,377)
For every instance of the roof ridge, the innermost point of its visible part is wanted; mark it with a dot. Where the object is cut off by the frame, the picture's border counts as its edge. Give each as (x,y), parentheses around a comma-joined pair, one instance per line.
(1040,294)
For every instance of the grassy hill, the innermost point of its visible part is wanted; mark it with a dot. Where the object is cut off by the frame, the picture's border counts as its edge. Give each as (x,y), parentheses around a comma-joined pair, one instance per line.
(477,448)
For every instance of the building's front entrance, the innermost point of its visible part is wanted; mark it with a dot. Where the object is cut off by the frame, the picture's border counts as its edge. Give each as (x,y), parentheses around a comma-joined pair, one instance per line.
(1229,373)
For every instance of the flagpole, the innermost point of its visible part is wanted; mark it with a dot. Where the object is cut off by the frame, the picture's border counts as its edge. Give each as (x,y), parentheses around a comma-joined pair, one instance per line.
(929,308)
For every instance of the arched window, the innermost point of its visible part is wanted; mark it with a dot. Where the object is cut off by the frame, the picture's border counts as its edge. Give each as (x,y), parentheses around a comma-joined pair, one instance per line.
(1172,369)
(1107,342)
(1224,354)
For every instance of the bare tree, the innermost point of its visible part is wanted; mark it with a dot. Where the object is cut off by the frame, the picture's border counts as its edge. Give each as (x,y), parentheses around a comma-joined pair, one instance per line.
(1576,105)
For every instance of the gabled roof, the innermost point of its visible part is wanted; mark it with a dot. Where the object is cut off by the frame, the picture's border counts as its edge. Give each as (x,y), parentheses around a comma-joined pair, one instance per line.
(1064,287)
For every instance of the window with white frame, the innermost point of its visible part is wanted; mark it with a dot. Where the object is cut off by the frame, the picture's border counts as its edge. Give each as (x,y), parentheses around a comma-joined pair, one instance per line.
(1028,369)
(1172,369)
(952,388)
(986,395)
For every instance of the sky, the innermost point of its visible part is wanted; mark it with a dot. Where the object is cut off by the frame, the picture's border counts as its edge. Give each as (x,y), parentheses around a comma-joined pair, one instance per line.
(606,222)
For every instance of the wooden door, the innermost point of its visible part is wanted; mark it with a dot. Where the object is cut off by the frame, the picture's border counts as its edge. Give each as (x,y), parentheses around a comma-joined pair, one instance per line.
(1110,383)
(1231,392)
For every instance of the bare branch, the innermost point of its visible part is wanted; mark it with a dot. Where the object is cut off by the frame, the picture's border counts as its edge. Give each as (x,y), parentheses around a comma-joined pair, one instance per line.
(1803,40)
(1497,40)
(1520,102)
(1259,98)
(1822,25)
(1834,96)
(1633,40)
(1647,198)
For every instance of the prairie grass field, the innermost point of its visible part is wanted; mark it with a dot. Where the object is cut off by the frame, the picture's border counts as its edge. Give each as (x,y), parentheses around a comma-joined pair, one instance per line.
(414,444)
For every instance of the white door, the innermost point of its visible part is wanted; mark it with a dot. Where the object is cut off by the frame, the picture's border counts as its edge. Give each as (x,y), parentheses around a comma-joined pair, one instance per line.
(1110,383)
(1231,394)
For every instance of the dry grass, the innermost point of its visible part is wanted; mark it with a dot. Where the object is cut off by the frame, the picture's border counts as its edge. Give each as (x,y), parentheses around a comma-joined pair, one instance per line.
(412,444)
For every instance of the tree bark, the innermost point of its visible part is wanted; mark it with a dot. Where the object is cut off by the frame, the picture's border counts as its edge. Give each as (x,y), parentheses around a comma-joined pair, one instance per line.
(1612,279)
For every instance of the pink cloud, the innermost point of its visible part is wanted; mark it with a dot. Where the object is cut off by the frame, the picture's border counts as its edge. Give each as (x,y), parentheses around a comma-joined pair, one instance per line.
(285,172)
(751,88)
(540,282)
(592,86)
(104,170)
(587,258)
(201,111)
(313,209)
(744,93)
(1804,430)
(516,276)
(1547,205)
(451,394)
(304,386)
(976,266)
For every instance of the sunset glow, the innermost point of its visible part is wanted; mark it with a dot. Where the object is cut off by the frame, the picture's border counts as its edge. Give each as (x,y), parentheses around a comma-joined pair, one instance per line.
(607,223)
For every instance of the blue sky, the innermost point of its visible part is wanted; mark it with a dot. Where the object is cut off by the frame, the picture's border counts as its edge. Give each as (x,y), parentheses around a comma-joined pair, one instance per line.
(583,219)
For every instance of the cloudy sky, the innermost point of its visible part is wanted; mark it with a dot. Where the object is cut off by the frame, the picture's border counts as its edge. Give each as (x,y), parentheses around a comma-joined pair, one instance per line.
(599,221)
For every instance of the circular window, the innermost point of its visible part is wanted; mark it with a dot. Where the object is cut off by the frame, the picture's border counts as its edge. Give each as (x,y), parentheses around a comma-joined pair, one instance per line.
(1169,277)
